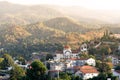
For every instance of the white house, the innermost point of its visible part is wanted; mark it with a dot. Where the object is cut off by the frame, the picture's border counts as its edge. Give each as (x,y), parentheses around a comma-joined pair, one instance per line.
(91,62)
(70,63)
(87,72)
(81,61)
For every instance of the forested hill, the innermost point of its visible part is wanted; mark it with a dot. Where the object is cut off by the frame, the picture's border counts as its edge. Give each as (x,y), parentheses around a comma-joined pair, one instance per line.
(66,24)
(22,14)
(38,37)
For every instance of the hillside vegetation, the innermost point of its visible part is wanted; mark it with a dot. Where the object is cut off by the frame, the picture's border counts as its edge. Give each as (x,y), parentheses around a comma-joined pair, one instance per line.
(43,28)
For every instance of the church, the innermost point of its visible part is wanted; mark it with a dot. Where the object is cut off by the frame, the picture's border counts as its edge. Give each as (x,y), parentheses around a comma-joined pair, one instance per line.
(67,53)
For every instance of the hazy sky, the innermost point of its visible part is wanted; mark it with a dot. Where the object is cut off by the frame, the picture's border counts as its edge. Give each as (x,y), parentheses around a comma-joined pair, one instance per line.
(93,4)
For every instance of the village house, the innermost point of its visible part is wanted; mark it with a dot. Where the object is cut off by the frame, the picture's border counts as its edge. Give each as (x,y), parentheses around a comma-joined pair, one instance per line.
(69,61)
(81,61)
(87,72)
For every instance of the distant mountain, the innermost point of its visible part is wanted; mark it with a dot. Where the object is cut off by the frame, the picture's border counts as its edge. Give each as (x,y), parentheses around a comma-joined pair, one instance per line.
(66,24)
(21,14)
(89,15)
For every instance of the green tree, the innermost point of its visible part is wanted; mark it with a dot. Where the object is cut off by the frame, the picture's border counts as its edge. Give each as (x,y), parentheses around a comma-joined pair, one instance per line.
(84,56)
(103,67)
(16,73)
(64,76)
(36,71)
(108,60)
(78,78)
(49,56)
(91,56)
(1,59)
(117,67)
(21,60)
(7,62)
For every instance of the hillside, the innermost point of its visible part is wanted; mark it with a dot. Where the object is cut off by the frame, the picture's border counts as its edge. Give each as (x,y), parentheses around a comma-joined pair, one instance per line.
(12,34)
(43,28)
(65,24)
(21,14)
(41,31)
(37,37)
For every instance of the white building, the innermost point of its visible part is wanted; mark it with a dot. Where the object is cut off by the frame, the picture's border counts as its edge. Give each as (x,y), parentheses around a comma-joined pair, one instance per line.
(69,58)
(81,61)
(66,54)
(91,62)
(57,66)
(87,72)
(83,48)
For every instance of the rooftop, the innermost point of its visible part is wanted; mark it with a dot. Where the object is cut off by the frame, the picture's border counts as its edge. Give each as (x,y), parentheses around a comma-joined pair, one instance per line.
(88,69)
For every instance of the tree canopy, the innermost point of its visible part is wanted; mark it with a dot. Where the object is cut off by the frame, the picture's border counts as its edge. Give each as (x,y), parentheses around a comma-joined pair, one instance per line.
(7,62)
(36,71)
(16,73)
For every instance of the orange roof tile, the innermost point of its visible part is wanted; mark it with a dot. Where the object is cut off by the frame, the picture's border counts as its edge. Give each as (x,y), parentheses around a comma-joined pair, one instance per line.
(77,58)
(66,47)
(88,69)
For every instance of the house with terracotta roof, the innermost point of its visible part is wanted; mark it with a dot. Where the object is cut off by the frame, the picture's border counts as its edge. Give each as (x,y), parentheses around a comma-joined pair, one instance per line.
(87,72)
(68,58)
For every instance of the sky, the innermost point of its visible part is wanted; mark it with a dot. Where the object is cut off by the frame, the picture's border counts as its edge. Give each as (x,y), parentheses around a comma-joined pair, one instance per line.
(92,4)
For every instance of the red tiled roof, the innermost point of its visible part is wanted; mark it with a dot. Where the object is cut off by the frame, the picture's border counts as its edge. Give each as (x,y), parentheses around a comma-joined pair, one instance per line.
(66,47)
(88,69)
(78,58)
